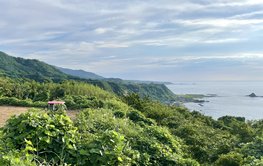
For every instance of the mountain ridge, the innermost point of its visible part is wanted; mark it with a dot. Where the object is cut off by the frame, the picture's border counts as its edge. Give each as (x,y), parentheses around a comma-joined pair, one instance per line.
(90,75)
(80,73)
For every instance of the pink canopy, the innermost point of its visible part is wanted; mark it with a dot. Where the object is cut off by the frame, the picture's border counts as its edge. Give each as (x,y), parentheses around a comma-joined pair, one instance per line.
(56,102)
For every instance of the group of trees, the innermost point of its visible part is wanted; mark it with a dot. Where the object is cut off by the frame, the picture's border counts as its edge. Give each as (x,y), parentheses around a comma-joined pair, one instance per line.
(72,91)
(114,134)
(31,93)
(114,130)
(230,141)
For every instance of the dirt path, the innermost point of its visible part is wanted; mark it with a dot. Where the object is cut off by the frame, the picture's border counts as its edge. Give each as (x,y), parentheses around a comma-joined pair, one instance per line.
(7,111)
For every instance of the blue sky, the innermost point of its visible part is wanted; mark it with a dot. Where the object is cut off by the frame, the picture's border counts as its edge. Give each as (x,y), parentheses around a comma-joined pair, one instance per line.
(171,40)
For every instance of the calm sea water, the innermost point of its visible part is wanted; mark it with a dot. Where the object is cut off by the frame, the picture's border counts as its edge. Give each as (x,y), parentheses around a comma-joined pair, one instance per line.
(231,98)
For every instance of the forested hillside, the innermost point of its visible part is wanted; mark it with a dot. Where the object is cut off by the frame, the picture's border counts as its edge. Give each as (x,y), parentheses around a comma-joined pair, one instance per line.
(26,68)
(19,68)
(114,130)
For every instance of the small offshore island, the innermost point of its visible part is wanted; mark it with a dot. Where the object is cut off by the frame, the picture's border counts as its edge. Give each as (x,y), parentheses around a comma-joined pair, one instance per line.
(253,95)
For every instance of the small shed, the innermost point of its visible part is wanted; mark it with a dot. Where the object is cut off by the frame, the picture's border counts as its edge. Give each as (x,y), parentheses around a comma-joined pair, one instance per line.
(52,104)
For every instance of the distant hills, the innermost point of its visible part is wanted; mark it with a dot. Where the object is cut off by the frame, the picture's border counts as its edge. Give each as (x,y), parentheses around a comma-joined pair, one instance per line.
(80,73)
(89,75)
(19,68)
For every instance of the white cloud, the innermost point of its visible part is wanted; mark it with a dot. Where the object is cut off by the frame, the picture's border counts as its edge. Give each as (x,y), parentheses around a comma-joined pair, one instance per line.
(110,45)
(226,40)
(221,22)
(101,30)
(247,15)
(85,29)
(176,60)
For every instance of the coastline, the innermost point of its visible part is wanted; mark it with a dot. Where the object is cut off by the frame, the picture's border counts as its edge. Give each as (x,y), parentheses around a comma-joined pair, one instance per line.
(217,99)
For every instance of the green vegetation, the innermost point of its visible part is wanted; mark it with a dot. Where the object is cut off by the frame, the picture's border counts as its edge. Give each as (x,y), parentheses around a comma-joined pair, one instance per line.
(120,128)
(226,141)
(33,94)
(124,131)
(32,69)
(97,137)
(19,68)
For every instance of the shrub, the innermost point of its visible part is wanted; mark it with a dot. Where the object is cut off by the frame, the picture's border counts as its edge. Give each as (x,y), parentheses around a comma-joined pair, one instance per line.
(12,101)
(146,145)
(230,159)
(51,136)
(109,148)
(136,117)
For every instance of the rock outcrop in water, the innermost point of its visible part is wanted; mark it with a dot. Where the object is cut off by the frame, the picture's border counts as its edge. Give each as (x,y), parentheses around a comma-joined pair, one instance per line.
(252,95)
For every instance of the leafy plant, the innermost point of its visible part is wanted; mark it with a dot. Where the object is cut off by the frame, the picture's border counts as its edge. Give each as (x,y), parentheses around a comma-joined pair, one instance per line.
(51,137)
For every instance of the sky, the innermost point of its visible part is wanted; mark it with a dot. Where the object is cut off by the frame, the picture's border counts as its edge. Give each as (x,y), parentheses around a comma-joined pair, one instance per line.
(161,40)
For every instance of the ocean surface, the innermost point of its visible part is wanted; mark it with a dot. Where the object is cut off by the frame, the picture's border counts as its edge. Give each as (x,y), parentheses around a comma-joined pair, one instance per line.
(231,98)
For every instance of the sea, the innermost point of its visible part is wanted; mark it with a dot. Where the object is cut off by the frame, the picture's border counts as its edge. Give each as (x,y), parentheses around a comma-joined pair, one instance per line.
(230,98)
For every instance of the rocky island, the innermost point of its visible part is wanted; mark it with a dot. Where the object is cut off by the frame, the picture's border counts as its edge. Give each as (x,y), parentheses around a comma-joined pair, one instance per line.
(253,95)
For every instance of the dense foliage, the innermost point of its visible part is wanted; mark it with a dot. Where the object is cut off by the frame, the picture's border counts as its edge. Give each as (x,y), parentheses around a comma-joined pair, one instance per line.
(98,137)
(31,93)
(77,94)
(227,141)
(134,131)
(24,68)
(20,68)
(123,129)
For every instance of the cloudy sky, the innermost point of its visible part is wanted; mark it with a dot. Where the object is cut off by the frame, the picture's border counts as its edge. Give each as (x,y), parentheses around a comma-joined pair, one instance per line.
(171,40)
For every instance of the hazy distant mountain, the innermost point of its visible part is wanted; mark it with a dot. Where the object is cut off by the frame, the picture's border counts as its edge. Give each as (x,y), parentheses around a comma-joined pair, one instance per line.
(149,82)
(90,75)
(80,73)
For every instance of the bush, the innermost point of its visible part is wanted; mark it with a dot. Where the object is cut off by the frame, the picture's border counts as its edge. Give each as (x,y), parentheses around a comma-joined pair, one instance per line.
(50,136)
(230,159)
(78,102)
(12,101)
(146,145)
(136,117)
(109,148)
(15,158)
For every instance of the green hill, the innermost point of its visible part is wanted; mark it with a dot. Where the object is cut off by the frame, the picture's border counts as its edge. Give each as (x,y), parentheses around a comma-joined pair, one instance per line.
(26,68)
(42,72)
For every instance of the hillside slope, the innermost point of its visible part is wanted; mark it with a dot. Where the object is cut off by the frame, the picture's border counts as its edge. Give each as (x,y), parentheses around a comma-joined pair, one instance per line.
(29,68)
(154,91)
(42,72)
